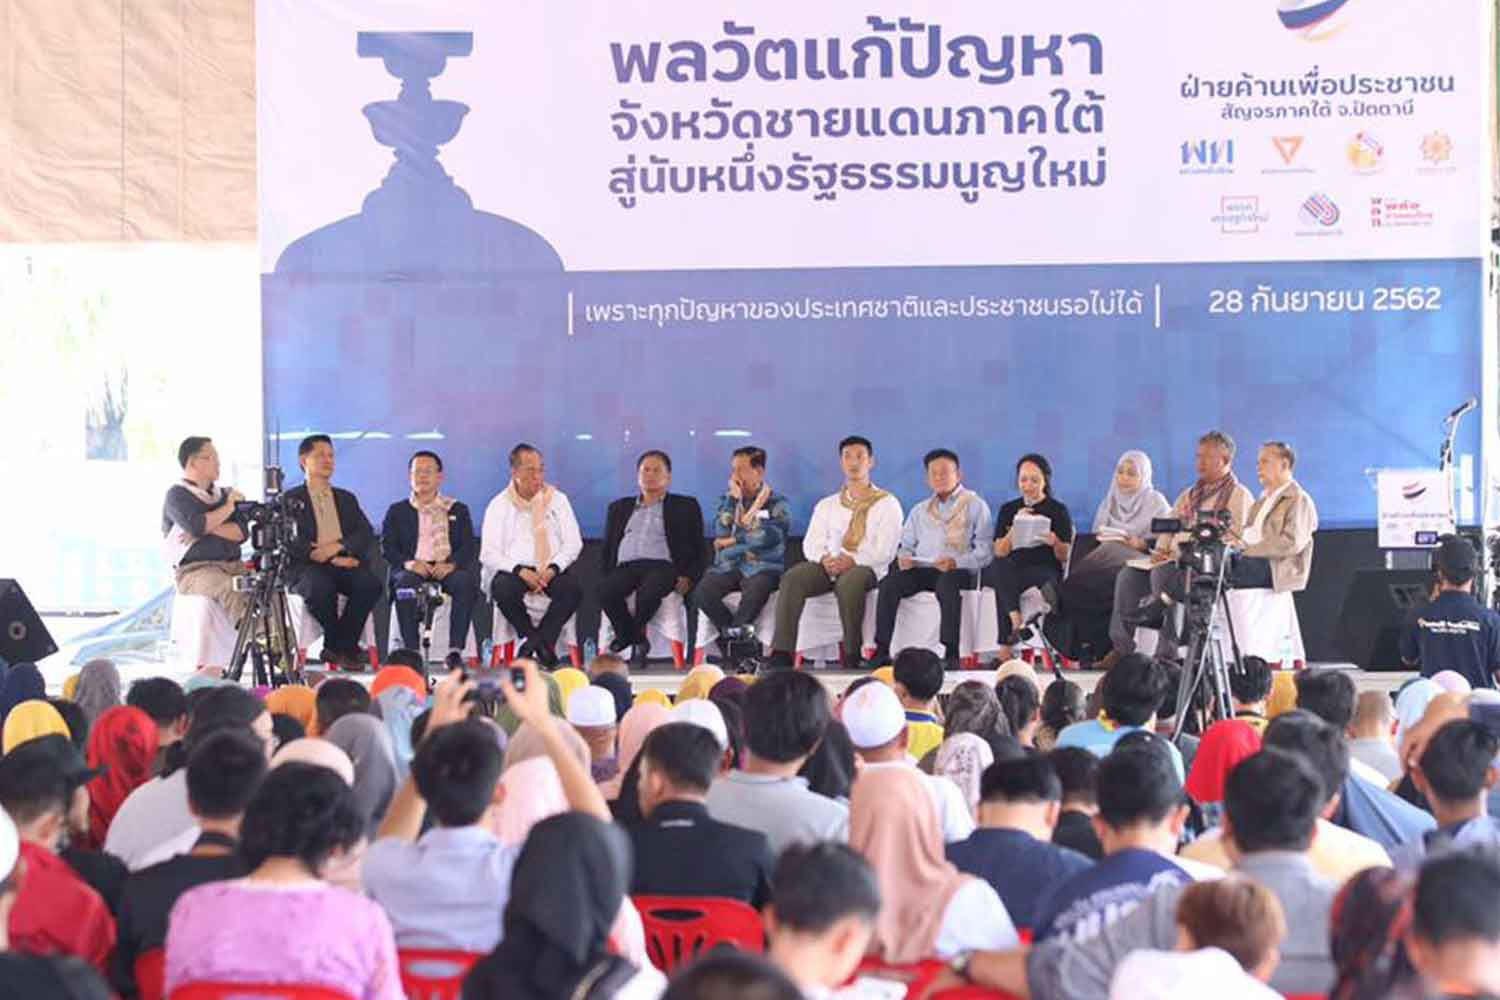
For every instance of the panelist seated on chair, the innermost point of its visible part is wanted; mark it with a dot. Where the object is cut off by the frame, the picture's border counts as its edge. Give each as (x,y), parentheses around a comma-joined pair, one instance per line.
(1024,557)
(945,545)
(530,543)
(849,546)
(201,533)
(328,557)
(1217,490)
(425,538)
(1276,544)
(653,545)
(750,532)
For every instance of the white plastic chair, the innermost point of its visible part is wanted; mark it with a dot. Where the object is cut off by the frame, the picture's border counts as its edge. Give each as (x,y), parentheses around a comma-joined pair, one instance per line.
(667,630)
(819,632)
(765,624)
(440,641)
(503,637)
(919,622)
(310,633)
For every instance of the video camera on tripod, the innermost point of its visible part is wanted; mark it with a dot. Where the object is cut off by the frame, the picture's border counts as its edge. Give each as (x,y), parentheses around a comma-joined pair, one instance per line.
(273,525)
(265,635)
(1205,551)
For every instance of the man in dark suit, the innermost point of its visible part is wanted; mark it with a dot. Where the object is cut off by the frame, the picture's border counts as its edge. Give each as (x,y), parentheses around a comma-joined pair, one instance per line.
(328,558)
(430,538)
(653,544)
(679,849)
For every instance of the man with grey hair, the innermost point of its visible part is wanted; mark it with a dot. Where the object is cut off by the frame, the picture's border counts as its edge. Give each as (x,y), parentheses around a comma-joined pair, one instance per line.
(1216,490)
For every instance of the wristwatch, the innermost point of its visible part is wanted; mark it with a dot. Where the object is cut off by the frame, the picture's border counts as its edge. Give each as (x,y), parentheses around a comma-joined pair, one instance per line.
(959,965)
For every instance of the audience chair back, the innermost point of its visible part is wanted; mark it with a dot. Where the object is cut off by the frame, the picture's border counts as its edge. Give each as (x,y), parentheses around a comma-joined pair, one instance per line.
(256,991)
(680,928)
(435,975)
(151,974)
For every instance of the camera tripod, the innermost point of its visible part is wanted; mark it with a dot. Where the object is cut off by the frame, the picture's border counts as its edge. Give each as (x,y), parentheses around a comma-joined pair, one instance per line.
(1204,688)
(265,635)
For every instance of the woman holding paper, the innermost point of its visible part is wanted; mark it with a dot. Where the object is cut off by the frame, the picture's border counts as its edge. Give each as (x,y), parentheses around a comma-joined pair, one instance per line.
(1033,535)
(1123,526)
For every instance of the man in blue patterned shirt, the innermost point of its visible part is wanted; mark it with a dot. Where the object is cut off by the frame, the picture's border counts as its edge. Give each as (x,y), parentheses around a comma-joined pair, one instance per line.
(750,526)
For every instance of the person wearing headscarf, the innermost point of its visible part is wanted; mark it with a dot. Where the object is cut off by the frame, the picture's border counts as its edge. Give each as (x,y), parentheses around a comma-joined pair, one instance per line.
(699,681)
(1452,681)
(618,687)
(1224,744)
(729,689)
(399,707)
(507,719)
(399,675)
(973,708)
(928,908)
(527,743)
(1122,525)
(962,759)
(533,792)
(204,677)
(1411,705)
(122,742)
(569,884)
(1283,697)
(368,745)
(31,719)
(653,696)
(22,683)
(296,700)
(70,686)
(98,688)
(569,679)
(635,726)
(1367,932)
(315,750)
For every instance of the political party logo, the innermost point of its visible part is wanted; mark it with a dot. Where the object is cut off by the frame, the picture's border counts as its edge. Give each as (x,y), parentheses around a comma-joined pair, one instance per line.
(1365,153)
(1437,148)
(1289,154)
(1314,20)
(1412,490)
(1399,213)
(1239,214)
(1207,156)
(1319,210)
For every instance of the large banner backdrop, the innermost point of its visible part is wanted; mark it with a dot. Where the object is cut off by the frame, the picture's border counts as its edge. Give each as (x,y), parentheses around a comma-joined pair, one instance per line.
(1074,228)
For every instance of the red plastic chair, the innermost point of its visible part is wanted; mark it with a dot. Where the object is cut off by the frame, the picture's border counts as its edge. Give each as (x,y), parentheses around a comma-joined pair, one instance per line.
(256,991)
(151,974)
(679,928)
(435,975)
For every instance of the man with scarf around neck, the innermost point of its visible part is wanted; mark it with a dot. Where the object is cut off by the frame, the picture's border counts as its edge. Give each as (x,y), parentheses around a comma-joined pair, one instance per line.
(653,545)
(328,558)
(750,532)
(1217,489)
(849,546)
(430,537)
(531,541)
(945,544)
(201,533)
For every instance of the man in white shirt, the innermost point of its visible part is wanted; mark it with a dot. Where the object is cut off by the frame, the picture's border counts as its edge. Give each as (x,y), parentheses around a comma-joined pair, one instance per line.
(848,547)
(530,542)
(877,727)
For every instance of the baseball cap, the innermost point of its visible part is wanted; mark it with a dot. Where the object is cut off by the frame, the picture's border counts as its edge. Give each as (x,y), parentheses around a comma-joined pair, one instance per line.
(591,706)
(10,845)
(874,716)
(1455,557)
(702,712)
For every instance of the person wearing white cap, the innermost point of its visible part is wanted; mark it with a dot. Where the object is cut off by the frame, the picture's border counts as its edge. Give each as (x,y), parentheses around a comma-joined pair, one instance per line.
(591,710)
(877,726)
(702,712)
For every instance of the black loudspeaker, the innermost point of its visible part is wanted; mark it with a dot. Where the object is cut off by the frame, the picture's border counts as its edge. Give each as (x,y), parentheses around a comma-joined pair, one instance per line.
(1376,605)
(23,637)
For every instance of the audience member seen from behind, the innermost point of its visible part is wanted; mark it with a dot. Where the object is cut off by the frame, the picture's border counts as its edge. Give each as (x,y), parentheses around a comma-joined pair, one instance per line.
(1332,696)
(338,697)
(222,774)
(786,714)
(679,849)
(1229,934)
(1062,706)
(1250,687)
(1022,707)
(1455,934)
(570,881)
(1370,734)
(55,912)
(732,976)
(162,699)
(282,923)
(919,678)
(1367,938)
(1455,632)
(1019,802)
(930,909)
(1456,773)
(1078,771)
(831,769)
(27,975)
(1129,697)
(824,915)
(1141,815)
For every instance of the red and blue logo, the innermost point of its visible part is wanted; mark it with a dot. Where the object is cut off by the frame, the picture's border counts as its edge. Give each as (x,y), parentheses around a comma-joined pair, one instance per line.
(1314,20)
(1321,210)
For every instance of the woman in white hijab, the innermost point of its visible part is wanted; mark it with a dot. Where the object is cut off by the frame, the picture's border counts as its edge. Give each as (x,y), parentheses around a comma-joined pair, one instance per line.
(1122,525)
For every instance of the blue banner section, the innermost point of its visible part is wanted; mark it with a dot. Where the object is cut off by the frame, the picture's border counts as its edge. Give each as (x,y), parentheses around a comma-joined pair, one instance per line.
(1353,363)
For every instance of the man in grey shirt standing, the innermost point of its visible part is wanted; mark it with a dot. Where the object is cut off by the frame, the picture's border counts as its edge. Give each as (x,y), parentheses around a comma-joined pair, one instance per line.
(1272,802)
(201,534)
(786,714)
